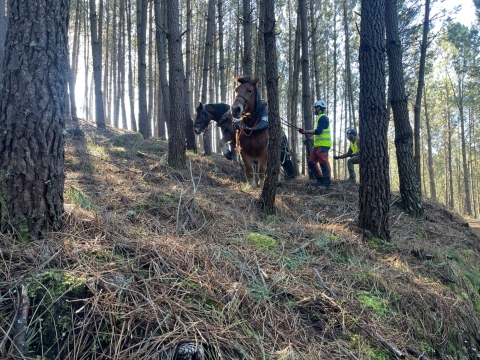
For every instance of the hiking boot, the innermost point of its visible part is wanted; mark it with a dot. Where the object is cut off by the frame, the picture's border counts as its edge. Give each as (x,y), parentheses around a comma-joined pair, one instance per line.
(321,184)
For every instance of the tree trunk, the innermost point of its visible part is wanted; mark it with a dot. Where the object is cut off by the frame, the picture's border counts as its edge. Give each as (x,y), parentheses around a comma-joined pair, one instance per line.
(97,66)
(293,97)
(316,67)
(260,58)
(143,123)
(32,118)
(176,129)
(274,128)
(334,127)
(3,34)
(374,194)
(431,173)
(306,103)
(237,42)
(466,173)
(451,202)
(207,138)
(348,70)
(421,76)
(120,59)
(71,70)
(188,118)
(150,63)
(133,121)
(86,58)
(113,80)
(121,64)
(106,94)
(221,67)
(409,186)
(247,39)
(164,94)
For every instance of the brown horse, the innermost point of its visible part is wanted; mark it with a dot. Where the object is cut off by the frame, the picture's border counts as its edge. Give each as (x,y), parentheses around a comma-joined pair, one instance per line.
(252,143)
(218,112)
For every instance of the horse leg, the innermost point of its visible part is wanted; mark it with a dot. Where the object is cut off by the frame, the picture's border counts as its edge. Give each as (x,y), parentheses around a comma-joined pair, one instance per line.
(247,161)
(262,168)
(225,149)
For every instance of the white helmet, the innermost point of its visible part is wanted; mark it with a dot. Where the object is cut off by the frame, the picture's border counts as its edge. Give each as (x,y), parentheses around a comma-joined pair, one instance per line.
(321,103)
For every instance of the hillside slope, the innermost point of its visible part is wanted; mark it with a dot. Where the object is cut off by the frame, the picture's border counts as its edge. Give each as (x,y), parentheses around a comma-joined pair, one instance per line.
(153,259)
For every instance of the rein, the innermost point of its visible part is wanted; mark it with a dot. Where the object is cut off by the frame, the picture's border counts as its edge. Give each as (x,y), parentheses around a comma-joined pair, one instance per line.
(251,132)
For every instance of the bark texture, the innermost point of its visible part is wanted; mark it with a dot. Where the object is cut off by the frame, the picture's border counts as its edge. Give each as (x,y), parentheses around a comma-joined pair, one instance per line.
(274,129)
(97,66)
(143,123)
(421,83)
(176,129)
(374,194)
(409,185)
(32,117)
(306,103)
(161,42)
(3,33)
(247,39)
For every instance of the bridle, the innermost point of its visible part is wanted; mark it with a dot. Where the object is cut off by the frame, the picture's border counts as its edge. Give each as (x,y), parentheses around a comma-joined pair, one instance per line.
(245,100)
(205,119)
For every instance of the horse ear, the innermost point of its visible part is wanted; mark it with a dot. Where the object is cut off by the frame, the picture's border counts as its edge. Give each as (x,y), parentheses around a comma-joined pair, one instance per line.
(256,80)
(200,105)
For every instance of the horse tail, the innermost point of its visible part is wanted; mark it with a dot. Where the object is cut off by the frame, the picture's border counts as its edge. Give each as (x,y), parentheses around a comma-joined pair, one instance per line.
(286,160)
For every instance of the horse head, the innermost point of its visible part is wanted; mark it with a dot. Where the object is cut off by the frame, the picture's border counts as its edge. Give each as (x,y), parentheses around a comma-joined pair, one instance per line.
(202,119)
(247,98)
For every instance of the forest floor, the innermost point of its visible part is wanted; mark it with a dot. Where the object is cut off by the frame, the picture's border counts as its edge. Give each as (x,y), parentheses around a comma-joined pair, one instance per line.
(152,260)
(475,226)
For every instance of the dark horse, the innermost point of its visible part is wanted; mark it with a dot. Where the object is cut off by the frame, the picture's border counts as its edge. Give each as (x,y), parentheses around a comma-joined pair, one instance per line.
(251,143)
(216,112)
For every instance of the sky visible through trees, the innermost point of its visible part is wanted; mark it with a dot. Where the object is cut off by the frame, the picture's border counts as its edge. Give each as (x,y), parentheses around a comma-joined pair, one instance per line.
(466,16)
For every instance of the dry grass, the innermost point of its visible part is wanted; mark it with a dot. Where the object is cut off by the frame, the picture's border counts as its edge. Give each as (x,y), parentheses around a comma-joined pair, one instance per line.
(151,257)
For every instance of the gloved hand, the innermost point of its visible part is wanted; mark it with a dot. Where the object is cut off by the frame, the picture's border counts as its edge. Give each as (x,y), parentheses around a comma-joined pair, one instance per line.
(301,131)
(336,157)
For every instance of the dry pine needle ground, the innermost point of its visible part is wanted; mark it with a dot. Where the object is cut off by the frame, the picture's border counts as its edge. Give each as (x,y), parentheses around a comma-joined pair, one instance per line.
(152,258)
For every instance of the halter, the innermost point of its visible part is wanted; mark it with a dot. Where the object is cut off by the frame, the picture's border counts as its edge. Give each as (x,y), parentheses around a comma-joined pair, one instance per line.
(246,101)
(205,119)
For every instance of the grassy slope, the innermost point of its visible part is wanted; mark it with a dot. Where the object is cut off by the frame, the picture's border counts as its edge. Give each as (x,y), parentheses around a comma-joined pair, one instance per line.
(152,257)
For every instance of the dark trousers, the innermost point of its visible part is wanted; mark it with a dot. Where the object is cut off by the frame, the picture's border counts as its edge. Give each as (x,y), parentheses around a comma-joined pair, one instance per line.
(319,155)
(350,165)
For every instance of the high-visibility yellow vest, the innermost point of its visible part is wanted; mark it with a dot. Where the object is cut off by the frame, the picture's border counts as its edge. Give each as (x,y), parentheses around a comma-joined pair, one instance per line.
(324,138)
(354,146)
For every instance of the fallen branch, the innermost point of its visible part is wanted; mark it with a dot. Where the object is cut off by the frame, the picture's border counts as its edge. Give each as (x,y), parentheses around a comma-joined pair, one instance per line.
(419,355)
(190,201)
(260,271)
(382,341)
(20,332)
(325,285)
(5,338)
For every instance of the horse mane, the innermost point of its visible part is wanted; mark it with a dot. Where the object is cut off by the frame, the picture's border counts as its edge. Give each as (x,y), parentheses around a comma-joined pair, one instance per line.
(242,79)
(220,107)
(217,110)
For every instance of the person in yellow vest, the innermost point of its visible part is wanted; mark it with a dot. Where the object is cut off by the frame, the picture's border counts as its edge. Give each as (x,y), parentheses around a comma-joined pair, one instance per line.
(322,143)
(353,153)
